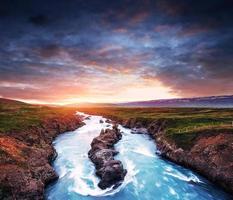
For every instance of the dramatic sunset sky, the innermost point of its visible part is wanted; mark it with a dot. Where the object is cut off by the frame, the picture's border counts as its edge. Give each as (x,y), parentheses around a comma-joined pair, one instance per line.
(66,51)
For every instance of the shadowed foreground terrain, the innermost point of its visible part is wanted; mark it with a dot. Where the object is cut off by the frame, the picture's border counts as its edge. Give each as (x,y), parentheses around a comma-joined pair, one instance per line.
(198,138)
(26,135)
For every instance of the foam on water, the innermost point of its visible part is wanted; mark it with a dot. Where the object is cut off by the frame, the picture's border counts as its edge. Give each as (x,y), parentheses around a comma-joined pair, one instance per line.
(191,178)
(147,176)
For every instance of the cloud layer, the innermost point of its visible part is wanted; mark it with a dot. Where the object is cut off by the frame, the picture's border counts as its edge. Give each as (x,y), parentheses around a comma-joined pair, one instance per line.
(64,51)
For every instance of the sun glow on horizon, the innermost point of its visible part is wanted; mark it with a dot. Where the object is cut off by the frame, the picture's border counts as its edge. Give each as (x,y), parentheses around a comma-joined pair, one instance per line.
(132,93)
(109,88)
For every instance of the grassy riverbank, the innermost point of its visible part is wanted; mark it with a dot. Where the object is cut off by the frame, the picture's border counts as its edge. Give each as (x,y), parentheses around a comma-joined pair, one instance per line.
(26,135)
(183,125)
(17,116)
(27,132)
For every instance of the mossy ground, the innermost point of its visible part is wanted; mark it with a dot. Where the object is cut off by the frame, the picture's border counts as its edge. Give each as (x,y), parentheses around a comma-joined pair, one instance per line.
(183,124)
(16,116)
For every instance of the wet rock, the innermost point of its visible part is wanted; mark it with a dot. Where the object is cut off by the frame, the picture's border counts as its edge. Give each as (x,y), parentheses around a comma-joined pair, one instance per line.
(139,131)
(110,171)
(102,156)
(101,121)
(108,121)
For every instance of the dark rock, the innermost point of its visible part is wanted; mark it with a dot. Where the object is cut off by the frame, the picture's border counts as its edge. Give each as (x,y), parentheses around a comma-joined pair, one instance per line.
(156,127)
(139,131)
(130,123)
(110,171)
(108,121)
(101,121)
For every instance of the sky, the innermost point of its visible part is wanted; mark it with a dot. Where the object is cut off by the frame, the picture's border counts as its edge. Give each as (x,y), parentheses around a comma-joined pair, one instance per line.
(68,51)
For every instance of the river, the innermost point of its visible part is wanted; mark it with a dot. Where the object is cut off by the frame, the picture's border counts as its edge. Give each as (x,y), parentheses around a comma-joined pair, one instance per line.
(149,177)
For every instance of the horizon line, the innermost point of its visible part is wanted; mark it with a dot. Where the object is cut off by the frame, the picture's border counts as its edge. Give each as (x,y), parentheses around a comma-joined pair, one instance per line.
(117,102)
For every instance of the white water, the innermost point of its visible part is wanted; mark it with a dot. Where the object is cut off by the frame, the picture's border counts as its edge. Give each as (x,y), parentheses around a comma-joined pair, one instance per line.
(148,177)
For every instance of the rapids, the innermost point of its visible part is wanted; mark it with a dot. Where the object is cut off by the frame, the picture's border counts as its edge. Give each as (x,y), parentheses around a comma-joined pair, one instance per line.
(149,177)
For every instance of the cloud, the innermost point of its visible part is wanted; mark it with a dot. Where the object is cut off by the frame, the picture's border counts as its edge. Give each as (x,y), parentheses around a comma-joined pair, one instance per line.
(51,50)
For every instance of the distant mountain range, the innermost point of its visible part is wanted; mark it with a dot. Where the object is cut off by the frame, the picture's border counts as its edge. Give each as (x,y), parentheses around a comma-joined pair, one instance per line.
(87,104)
(212,101)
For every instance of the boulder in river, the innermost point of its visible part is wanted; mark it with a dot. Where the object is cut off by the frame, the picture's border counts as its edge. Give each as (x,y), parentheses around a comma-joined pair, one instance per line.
(108,121)
(110,171)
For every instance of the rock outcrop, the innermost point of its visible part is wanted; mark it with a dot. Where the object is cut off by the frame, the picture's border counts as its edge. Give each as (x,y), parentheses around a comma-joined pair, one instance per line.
(25,158)
(211,156)
(110,171)
(139,131)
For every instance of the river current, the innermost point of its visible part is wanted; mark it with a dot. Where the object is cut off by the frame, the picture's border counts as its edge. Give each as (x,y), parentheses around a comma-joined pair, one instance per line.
(149,177)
